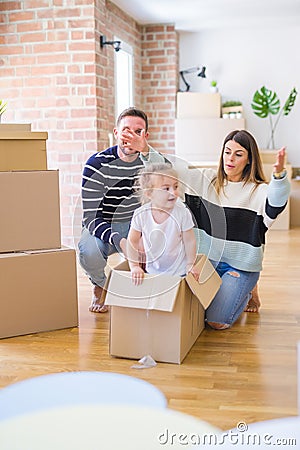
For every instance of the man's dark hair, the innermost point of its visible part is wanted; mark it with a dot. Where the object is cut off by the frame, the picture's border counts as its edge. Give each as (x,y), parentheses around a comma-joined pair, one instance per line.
(133,112)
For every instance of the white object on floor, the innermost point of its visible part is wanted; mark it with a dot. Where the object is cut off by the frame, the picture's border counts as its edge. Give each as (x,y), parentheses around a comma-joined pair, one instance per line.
(74,388)
(146,362)
(108,427)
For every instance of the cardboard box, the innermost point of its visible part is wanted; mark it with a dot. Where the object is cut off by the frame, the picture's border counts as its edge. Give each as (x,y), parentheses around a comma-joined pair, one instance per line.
(30,211)
(15,127)
(23,150)
(269,156)
(198,104)
(189,147)
(38,292)
(162,317)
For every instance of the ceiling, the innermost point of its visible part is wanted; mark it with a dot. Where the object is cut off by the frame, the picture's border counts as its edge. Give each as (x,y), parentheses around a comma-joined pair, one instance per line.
(197,15)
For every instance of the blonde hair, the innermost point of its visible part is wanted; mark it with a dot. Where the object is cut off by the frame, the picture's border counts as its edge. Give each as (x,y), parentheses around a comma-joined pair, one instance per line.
(145,181)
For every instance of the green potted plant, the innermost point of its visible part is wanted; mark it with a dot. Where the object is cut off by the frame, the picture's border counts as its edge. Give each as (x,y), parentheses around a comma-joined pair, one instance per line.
(214,86)
(232,107)
(265,103)
(3,106)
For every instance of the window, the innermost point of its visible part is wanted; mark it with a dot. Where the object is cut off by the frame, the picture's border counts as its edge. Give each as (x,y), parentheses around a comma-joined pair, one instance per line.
(123,77)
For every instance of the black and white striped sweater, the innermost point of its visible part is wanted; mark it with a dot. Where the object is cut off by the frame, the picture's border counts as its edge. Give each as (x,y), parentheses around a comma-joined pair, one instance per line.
(107,191)
(232,226)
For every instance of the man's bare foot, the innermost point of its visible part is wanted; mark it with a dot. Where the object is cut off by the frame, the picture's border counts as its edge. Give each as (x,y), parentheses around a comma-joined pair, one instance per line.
(97,305)
(254,302)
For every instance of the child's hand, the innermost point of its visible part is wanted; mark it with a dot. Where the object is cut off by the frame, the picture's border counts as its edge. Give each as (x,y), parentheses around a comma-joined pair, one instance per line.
(195,271)
(137,275)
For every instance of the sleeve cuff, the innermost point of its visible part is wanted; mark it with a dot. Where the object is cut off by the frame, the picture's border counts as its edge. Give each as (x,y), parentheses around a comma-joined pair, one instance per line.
(116,239)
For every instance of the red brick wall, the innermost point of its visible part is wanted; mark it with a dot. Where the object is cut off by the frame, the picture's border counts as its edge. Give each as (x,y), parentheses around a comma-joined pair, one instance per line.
(159,83)
(55,76)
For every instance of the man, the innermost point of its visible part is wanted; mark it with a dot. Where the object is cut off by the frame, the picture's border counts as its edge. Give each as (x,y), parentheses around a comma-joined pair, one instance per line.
(108,197)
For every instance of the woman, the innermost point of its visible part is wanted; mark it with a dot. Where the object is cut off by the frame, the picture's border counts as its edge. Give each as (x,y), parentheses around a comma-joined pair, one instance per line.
(233,208)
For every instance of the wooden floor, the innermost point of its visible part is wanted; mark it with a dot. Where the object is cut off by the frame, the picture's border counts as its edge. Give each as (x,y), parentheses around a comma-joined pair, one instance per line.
(247,373)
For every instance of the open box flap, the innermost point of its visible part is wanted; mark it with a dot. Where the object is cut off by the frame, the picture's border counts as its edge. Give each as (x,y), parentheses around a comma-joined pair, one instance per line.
(156,292)
(209,282)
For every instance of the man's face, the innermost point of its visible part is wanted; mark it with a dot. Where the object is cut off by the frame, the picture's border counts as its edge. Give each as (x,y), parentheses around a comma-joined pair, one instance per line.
(125,134)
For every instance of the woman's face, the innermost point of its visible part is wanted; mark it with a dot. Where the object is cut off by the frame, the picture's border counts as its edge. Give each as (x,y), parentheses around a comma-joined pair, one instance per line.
(235,159)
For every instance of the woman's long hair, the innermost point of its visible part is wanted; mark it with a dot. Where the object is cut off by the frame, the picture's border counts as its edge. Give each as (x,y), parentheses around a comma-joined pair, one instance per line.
(253,172)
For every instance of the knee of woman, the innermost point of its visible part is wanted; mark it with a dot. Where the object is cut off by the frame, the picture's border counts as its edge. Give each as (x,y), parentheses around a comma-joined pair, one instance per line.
(234,274)
(218,326)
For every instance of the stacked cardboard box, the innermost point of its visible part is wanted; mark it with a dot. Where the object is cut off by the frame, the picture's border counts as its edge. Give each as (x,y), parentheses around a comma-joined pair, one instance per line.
(38,289)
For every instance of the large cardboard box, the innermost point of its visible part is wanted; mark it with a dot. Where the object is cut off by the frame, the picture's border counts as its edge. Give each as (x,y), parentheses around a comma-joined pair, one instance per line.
(30,211)
(38,292)
(9,127)
(23,150)
(162,317)
(198,104)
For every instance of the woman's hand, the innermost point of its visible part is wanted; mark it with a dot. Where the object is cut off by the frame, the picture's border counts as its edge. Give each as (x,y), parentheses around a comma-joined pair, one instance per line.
(279,165)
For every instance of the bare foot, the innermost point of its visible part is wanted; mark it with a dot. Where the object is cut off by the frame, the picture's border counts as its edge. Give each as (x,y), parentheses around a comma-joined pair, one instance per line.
(218,326)
(97,305)
(98,308)
(254,302)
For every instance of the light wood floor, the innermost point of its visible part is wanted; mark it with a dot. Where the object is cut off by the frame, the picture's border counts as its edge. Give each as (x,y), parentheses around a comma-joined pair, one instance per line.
(247,373)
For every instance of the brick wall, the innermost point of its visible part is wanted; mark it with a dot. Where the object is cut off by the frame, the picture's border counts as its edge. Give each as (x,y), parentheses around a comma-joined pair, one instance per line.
(55,76)
(159,83)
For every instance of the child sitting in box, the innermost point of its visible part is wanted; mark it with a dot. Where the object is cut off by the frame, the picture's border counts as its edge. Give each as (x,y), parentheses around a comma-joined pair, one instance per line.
(163,224)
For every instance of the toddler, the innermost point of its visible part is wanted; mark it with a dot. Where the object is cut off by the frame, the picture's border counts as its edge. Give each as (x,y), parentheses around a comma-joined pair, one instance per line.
(164,226)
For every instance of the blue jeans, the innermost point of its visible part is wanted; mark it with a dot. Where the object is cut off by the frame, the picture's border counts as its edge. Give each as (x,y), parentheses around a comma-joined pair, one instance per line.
(233,295)
(93,252)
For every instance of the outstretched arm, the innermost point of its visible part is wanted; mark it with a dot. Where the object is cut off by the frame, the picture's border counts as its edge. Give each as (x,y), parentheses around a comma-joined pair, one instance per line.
(278,190)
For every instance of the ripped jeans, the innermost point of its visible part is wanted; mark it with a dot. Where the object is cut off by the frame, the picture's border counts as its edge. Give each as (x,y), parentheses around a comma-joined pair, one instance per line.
(233,295)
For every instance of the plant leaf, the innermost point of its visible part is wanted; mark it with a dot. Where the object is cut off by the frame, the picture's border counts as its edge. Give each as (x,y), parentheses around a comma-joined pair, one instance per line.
(290,102)
(265,102)
(3,106)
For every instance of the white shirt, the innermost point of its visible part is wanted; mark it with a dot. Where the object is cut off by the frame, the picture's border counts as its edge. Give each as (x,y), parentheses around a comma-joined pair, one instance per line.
(163,244)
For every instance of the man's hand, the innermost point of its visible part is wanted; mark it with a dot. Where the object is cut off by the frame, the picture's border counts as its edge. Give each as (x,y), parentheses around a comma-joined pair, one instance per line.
(137,142)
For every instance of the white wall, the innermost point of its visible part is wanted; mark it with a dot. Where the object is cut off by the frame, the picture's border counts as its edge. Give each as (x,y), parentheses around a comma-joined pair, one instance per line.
(242,61)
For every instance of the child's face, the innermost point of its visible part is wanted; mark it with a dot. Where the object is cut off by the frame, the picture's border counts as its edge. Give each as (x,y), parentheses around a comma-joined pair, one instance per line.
(164,192)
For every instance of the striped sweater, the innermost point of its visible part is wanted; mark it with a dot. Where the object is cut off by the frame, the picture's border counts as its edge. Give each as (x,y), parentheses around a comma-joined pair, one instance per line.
(107,191)
(232,226)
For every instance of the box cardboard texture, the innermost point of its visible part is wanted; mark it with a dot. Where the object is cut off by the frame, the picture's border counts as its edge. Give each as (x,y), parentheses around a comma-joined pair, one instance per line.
(163,316)
(12,127)
(30,210)
(23,150)
(198,104)
(38,292)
